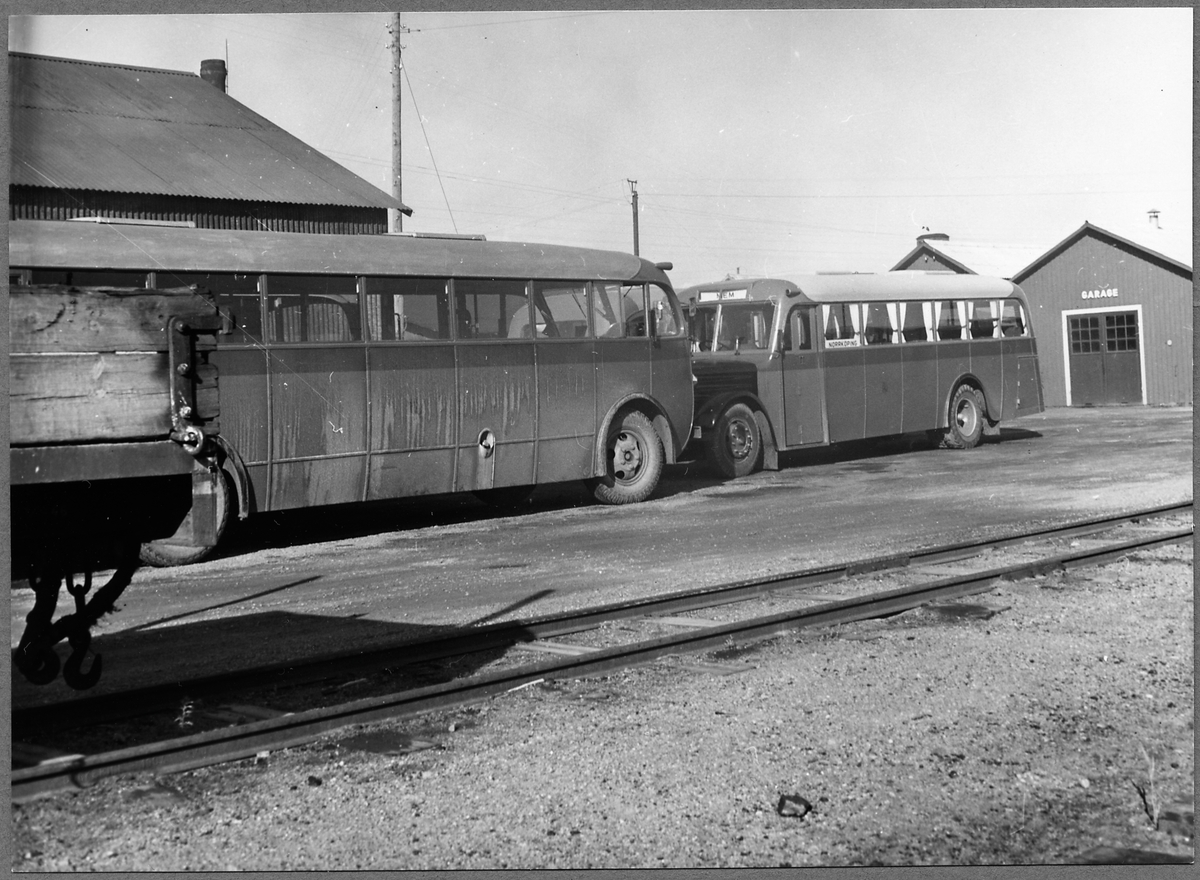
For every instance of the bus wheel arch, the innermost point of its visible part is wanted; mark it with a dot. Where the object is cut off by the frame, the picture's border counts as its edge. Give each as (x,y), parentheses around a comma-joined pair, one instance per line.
(966,417)
(633,455)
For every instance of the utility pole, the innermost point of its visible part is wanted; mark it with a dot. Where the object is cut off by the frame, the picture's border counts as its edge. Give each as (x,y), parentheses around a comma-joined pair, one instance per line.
(633,186)
(396,218)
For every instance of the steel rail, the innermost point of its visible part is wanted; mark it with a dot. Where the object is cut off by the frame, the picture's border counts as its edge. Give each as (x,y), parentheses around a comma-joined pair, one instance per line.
(228,744)
(146,700)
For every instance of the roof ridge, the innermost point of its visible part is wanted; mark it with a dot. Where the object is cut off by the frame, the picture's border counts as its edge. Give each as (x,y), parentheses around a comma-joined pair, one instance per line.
(88,62)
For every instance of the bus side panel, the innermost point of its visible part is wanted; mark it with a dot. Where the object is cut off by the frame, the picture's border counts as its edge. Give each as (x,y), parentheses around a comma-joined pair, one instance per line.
(954,360)
(414,413)
(318,413)
(496,393)
(922,405)
(844,394)
(884,389)
(623,367)
(671,385)
(566,396)
(243,381)
(987,363)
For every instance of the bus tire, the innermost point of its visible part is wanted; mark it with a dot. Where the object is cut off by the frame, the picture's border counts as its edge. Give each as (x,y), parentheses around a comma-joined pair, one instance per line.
(967,416)
(734,446)
(163,555)
(634,454)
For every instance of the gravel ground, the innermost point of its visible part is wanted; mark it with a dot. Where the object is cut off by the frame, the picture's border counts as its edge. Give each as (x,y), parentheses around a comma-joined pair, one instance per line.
(1058,722)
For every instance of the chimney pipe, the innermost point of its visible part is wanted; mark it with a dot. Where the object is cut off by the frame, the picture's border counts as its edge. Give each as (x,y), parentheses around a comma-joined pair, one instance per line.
(212,71)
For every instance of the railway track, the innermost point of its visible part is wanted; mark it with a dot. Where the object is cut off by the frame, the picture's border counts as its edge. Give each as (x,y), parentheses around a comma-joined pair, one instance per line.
(602,640)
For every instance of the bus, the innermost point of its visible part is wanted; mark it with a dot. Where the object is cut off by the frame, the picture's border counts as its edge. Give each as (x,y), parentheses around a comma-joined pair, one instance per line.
(822,359)
(363,368)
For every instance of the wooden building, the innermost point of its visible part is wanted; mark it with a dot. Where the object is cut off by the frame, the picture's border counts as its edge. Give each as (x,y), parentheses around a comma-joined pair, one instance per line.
(94,141)
(1113,321)
(1113,318)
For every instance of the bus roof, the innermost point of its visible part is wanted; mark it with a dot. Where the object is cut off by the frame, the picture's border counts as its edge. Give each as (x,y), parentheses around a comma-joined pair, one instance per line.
(65,244)
(857,287)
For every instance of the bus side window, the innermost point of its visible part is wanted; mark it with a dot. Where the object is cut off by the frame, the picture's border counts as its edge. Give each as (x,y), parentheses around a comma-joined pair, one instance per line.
(664,312)
(406,309)
(312,308)
(912,320)
(1012,320)
(948,324)
(606,310)
(842,322)
(560,310)
(237,296)
(490,308)
(982,319)
(878,328)
(797,334)
(633,304)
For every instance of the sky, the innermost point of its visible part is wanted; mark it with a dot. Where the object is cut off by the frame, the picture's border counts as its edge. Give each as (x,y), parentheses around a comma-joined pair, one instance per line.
(761,142)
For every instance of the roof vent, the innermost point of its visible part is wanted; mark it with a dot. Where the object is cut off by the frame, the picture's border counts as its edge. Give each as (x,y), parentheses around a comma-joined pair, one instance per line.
(213,72)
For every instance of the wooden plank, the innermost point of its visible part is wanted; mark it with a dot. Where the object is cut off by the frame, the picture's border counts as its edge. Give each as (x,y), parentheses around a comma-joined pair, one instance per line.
(88,397)
(59,318)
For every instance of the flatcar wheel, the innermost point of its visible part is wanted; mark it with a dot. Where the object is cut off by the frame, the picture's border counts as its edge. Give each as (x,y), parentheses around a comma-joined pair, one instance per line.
(635,461)
(966,419)
(735,443)
(161,554)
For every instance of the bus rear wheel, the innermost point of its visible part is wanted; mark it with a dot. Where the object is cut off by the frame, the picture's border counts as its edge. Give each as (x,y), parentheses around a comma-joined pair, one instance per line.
(966,419)
(735,443)
(634,452)
(163,555)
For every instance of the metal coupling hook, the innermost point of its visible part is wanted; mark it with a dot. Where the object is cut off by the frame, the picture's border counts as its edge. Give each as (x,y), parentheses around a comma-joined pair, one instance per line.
(191,437)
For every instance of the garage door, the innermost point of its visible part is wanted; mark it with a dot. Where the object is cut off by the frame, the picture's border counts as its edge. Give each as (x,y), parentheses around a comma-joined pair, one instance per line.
(1105,361)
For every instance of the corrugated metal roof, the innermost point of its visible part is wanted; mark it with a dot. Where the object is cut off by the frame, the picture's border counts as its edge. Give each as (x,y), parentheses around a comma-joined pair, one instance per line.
(86,125)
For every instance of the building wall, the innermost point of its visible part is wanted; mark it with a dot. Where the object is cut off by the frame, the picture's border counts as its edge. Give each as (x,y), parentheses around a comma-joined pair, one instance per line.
(930,263)
(44,203)
(1127,278)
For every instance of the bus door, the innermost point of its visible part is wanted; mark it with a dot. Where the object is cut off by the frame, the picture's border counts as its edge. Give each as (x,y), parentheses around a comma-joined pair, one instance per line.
(317,391)
(499,390)
(566,380)
(803,383)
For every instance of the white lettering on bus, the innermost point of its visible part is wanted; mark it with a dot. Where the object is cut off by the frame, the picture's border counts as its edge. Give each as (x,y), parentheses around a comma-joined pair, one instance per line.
(1098,294)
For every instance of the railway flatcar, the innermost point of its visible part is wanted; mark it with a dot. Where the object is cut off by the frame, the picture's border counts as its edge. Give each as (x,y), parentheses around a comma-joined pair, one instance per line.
(114,441)
(791,364)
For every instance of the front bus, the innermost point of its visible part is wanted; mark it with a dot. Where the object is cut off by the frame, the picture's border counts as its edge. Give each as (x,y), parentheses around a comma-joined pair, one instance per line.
(372,367)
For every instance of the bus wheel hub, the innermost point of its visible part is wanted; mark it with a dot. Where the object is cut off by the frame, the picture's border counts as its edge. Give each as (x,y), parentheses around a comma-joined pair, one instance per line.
(627,457)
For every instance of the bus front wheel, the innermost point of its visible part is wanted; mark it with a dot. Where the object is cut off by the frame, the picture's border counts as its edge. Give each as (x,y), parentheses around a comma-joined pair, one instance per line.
(635,461)
(735,443)
(966,419)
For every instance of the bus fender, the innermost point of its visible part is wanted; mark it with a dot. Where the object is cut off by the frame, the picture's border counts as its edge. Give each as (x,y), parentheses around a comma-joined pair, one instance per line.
(650,409)
(706,420)
(236,468)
